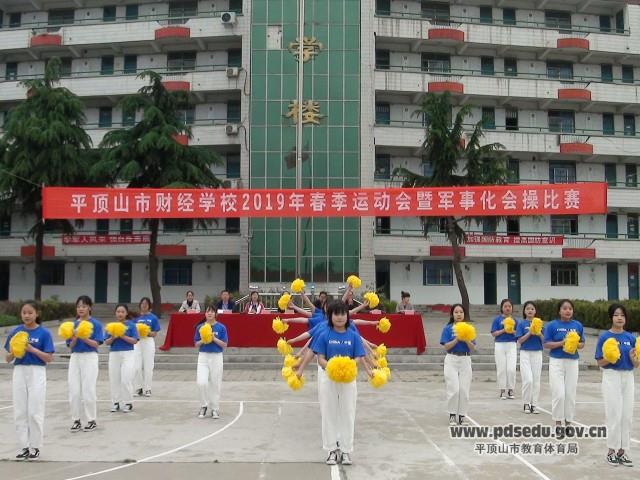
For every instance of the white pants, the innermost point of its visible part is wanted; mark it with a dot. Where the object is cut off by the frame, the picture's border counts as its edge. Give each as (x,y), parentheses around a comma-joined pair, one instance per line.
(563,379)
(209,379)
(457,379)
(338,410)
(83,377)
(617,390)
(530,371)
(29,391)
(145,361)
(506,355)
(121,373)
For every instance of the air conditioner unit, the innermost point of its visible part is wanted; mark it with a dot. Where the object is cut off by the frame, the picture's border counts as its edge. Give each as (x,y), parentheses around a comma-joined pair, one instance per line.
(228,18)
(232,128)
(233,72)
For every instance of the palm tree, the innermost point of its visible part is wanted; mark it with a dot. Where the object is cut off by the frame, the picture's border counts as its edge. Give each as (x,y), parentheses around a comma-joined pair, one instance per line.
(148,156)
(44,143)
(444,147)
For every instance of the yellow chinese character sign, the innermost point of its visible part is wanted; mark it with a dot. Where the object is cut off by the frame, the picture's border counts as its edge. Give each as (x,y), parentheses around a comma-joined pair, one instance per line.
(310,112)
(310,48)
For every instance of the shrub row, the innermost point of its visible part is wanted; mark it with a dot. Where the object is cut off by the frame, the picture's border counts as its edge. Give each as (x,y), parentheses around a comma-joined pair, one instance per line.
(50,309)
(591,314)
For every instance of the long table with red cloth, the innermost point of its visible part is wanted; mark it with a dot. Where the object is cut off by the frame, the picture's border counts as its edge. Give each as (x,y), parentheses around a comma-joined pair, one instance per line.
(246,330)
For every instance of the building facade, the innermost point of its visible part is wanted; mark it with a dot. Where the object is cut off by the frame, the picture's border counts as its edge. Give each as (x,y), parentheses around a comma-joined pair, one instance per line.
(557,83)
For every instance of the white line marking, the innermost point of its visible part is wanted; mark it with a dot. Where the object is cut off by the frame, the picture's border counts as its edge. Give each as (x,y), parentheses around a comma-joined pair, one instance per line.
(157,400)
(168,452)
(335,472)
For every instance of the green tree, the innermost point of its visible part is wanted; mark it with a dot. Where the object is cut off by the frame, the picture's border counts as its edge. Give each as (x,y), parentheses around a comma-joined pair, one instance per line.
(455,163)
(44,144)
(147,155)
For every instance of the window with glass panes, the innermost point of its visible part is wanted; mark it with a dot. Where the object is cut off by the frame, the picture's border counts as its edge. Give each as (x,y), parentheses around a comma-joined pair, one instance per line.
(629,124)
(487,66)
(131,12)
(383,166)
(435,62)
(558,19)
(631,175)
(562,121)
(179,12)
(435,12)
(130,64)
(488,118)
(106,67)
(627,73)
(564,274)
(15,20)
(5,226)
(564,224)
(181,61)
(383,225)
(382,59)
(11,71)
(105,117)
(383,113)
(234,57)
(177,272)
(233,165)
(511,67)
(509,16)
(61,16)
(233,111)
(109,13)
(52,273)
(560,70)
(437,272)
(632,226)
(606,72)
(486,14)
(177,224)
(562,172)
(235,6)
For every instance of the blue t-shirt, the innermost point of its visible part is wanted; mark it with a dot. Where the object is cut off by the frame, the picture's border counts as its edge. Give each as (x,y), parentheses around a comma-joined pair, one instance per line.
(39,338)
(332,344)
(317,318)
(321,327)
(97,335)
(534,342)
(626,343)
(150,320)
(448,335)
(556,330)
(497,325)
(219,331)
(120,345)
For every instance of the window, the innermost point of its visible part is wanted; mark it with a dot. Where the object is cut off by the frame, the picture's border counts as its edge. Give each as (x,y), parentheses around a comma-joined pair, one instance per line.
(177,272)
(511,67)
(61,16)
(558,19)
(489,225)
(105,117)
(128,118)
(511,119)
(632,225)
(126,226)
(513,171)
(383,166)
(620,22)
(564,274)
(383,114)
(627,73)
(65,67)
(235,6)
(605,23)
(509,16)
(233,111)
(486,15)
(179,12)
(5,226)
(52,273)
(11,72)
(438,272)
(233,165)
(560,70)
(177,225)
(608,125)
(606,72)
(630,125)
(131,12)
(610,175)
(435,225)
(186,116)
(234,57)
(562,172)
(486,66)
(102,227)
(631,175)
(130,64)
(564,224)
(435,12)
(232,225)
(513,226)
(109,13)
(181,61)
(382,59)
(427,168)
(612,225)
(488,118)
(383,7)
(15,20)
(433,62)
(383,225)
(562,121)
(106,67)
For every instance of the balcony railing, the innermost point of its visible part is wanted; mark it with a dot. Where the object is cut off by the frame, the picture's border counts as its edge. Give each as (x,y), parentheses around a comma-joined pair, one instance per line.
(580,240)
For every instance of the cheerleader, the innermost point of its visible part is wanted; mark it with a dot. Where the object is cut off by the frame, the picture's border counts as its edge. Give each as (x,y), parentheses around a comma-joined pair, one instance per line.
(122,362)
(618,386)
(530,358)
(506,352)
(30,380)
(83,368)
(457,367)
(145,349)
(563,366)
(209,371)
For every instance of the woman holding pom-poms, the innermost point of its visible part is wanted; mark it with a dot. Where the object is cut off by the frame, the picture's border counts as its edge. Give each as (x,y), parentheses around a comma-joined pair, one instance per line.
(211,340)
(87,336)
(503,330)
(121,336)
(148,327)
(563,338)
(30,348)
(530,334)
(458,340)
(617,356)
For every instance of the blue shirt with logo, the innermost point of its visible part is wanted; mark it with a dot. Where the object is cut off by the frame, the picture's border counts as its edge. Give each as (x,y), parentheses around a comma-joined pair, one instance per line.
(626,343)
(120,345)
(97,335)
(556,330)
(39,338)
(151,320)
(448,335)
(219,331)
(534,342)
(332,344)
(497,325)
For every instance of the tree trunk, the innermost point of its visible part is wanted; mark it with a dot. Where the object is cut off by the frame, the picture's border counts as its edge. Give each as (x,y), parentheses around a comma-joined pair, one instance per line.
(37,269)
(154,284)
(457,269)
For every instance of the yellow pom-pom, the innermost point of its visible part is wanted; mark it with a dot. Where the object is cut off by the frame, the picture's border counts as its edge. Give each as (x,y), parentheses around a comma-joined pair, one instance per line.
(84,329)
(379,378)
(342,369)
(536,326)
(206,333)
(284,300)
(509,325)
(143,330)
(354,281)
(611,350)
(638,347)
(65,330)
(291,361)
(571,343)
(18,344)
(116,329)
(384,325)
(287,372)
(387,372)
(283,347)
(295,382)
(464,331)
(297,285)
(279,326)
(381,350)
(372,298)
(382,362)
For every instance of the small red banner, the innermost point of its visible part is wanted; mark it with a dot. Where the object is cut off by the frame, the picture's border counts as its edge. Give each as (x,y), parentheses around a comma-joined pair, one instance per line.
(126,239)
(530,240)
(502,200)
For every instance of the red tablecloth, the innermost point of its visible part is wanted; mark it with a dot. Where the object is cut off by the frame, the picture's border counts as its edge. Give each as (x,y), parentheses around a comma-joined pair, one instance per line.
(255,330)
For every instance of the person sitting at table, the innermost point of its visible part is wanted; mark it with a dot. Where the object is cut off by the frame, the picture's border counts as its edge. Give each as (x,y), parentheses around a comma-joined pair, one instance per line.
(225,302)
(405,303)
(190,305)
(254,305)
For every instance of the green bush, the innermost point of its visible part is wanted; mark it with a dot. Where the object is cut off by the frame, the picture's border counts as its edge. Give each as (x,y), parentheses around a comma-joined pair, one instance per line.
(592,314)
(50,309)
(8,320)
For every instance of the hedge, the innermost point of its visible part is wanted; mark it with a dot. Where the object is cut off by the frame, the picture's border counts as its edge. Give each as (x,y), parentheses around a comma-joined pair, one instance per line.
(51,309)
(8,320)
(592,314)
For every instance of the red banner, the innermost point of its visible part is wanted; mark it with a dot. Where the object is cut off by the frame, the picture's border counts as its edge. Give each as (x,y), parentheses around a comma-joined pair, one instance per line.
(125,239)
(531,240)
(502,200)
